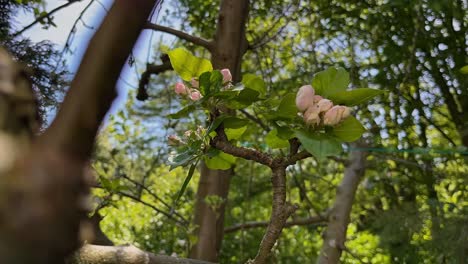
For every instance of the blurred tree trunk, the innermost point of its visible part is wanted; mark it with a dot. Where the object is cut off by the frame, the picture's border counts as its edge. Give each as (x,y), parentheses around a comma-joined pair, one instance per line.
(228,48)
(339,217)
(43,191)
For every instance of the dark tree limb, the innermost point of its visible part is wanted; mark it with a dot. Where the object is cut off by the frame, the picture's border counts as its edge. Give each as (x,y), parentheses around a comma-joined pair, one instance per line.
(92,254)
(182,35)
(43,204)
(142,94)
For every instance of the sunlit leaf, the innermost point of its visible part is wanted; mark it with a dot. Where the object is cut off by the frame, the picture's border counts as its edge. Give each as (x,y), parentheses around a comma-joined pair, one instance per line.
(187,65)
(254,82)
(222,161)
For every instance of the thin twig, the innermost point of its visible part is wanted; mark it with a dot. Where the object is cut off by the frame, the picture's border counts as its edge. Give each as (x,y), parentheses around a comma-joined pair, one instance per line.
(295,222)
(46,15)
(180,34)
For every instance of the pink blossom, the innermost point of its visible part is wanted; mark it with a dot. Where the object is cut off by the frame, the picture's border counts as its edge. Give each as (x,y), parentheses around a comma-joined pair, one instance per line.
(194,82)
(336,114)
(311,116)
(332,116)
(227,77)
(304,97)
(316,98)
(324,105)
(180,88)
(195,95)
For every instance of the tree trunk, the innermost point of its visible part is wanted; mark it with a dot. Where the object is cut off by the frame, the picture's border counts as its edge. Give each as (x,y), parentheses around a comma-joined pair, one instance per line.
(229,46)
(335,234)
(43,191)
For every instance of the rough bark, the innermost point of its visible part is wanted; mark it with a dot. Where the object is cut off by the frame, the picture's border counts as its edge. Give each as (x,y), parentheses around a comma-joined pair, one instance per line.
(92,254)
(281,210)
(227,50)
(339,217)
(43,192)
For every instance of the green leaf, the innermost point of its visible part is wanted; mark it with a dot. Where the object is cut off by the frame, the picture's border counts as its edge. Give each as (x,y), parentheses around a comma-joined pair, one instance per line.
(349,130)
(204,83)
(186,181)
(274,142)
(182,159)
(254,82)
(184,112)
(222,161)
(287,108)
(464,69)
(319,145)
(354,97)
(330,81)
(187,65)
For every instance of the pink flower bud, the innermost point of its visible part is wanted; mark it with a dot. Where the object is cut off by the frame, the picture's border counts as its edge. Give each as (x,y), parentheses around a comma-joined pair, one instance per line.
(346,113)
(324,105)
(180,88)
(311,116)
(195,95)
(194,82)
(304,97)
(332,116)
(336,114)
(174,140)
(316,98)
(227,77)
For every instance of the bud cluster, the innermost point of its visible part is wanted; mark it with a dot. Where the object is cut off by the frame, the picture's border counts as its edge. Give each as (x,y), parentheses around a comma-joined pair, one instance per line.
(189,137)
(317,110)
(192,90)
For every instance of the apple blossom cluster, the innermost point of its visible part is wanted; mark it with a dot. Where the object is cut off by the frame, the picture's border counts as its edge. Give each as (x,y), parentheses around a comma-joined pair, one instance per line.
(317,110)
(193,93)
(189,136)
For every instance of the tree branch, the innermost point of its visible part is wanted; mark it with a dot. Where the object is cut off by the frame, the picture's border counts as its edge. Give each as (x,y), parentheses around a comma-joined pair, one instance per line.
(142,94)
(92,254)
(182,35)
(281,210)
(294,222)
(220,142)
(46,15)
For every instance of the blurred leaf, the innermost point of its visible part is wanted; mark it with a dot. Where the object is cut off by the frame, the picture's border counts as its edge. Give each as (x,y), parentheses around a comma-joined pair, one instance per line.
(464,69)
(254,82)
(184,112)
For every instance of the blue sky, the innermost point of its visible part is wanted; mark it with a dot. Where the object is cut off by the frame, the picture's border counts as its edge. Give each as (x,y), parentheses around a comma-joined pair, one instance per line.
(65,18)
